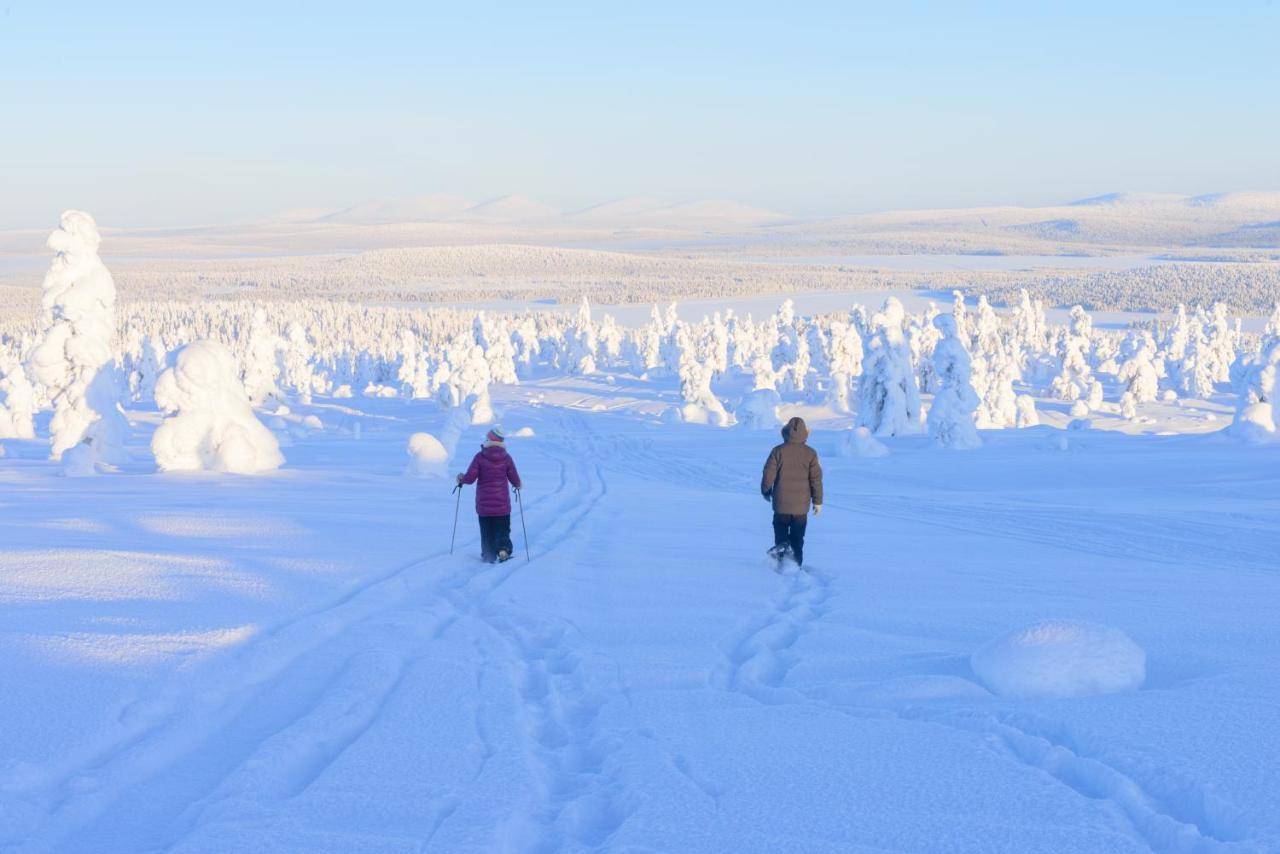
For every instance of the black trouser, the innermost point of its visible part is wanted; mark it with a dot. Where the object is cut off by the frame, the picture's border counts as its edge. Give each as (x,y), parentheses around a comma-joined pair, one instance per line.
(495,536)
(789,530)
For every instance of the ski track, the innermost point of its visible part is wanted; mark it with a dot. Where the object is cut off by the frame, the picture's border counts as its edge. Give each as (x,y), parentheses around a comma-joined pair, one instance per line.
(299,742)
(581,799)
(364,641)
(1164,812)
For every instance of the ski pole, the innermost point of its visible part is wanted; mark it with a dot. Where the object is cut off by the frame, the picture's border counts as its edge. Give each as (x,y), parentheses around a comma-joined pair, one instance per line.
(520,501)
(456,508)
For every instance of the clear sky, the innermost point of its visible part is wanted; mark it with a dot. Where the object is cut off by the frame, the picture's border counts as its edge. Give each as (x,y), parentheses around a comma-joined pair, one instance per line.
(185,113)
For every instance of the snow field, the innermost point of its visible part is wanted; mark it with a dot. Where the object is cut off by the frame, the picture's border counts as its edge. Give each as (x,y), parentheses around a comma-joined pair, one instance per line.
(233,664)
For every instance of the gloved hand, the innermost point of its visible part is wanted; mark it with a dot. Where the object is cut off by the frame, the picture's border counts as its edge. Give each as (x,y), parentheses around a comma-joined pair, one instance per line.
(768,496)
(460,478)
(817,509)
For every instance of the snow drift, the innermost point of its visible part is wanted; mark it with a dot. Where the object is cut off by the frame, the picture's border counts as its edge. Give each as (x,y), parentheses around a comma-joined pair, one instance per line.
(212,427)
(1061,659)
(427,456)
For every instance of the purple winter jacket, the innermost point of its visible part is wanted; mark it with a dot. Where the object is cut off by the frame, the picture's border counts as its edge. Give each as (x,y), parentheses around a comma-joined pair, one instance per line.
(494,468)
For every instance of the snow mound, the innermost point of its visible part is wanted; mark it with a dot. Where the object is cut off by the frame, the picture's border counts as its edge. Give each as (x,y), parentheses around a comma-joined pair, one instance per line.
(427,456)
(860,443)
(523,433)
(1061,659)
(211,426)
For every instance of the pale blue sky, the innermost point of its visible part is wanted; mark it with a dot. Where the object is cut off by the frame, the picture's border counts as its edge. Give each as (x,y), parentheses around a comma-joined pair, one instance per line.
(176,113)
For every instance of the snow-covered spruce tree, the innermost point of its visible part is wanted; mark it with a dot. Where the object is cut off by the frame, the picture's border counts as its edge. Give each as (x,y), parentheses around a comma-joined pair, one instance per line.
(609,338)
(260,360)
(922,337)
(580,342)
(888,398)
(147,370)
(73,361)
(1174,347)
(960,312)
(790,354)
(1075,377)
(299,374)
(986,329)
(999,406)
(471,379)
(1197,369)
(951,415)
(1138,371)
(17,401)
(211,425)
(1258,397)
(414,372)
(701,406)
(846,363)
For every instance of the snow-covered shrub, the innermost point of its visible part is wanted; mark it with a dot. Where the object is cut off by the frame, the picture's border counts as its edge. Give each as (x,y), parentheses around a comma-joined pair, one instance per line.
(73,361)
(951,415)
(427,457)
(759,410)
(860,443)
(211,425)
(1061,659)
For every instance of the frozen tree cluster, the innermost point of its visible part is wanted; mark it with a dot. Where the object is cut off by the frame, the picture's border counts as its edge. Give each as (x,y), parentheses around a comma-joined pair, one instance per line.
(949,374)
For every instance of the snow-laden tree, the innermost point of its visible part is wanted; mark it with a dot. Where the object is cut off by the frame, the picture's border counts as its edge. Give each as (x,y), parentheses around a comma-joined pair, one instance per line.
(147,368)
(888,397)
(922,337)
(998,407)
(414,372)
(701,406)
(1258,394)
(500,352)
(211,425)
(298,371)
(1197,368)
(845,365)
(1029,328)
(17,401)
(1138,371)
(73,361)
(951,416)
(580,342)
(260,366)
(1075,376)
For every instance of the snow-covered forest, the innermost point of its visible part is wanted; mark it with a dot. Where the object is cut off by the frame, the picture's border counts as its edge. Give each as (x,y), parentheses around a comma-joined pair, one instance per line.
(87,359)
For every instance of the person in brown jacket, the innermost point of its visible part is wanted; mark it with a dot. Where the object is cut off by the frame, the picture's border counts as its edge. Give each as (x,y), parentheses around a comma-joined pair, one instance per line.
(792,478)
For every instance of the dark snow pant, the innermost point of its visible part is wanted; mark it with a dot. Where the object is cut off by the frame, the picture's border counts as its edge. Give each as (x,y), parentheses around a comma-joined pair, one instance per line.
(789,530)
(495,536)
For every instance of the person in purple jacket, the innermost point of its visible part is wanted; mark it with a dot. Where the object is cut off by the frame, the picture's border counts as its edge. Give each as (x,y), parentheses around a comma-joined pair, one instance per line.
(494,469)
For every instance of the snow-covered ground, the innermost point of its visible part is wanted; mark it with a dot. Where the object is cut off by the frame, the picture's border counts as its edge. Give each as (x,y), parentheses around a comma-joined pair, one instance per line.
(296,662)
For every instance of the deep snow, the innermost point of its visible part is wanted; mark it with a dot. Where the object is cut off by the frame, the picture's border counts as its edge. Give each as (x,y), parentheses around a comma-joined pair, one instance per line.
(294,662)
